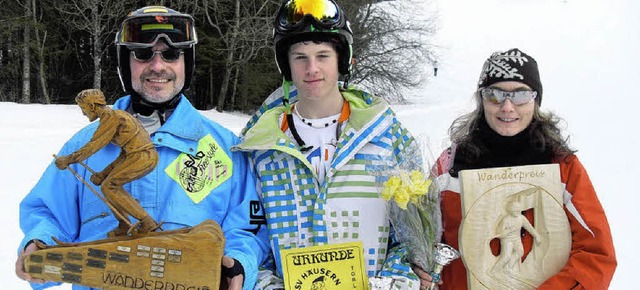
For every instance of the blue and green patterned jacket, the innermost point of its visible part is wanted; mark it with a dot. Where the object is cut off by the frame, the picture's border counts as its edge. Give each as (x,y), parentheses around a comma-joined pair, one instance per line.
(346,207)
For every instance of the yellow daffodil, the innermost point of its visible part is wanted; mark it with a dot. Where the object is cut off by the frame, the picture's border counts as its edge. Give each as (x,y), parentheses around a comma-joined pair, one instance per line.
(402,197)
(390,187)
(416,176)
(406,187)
(419,184)
(421,226)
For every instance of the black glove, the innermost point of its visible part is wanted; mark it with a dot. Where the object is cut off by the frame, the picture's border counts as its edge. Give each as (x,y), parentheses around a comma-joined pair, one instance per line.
(236,270)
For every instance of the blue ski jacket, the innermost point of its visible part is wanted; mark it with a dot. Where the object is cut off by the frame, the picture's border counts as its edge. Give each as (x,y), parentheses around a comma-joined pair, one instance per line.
(197,178)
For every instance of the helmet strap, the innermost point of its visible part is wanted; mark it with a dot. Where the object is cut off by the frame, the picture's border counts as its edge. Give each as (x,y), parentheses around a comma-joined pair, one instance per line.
(345,83)
(285,99)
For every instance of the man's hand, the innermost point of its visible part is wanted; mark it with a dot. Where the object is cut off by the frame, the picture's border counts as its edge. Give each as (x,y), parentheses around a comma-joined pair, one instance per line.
(62,162)
(20,271)
(425,278)
(233,272)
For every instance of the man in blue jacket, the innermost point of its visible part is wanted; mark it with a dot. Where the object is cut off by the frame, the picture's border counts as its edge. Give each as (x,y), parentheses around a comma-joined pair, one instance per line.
(197,176)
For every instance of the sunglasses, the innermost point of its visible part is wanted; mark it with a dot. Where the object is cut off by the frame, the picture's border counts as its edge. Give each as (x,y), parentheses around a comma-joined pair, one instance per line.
(144,31)
(294,14)
(497,96)
(146,54)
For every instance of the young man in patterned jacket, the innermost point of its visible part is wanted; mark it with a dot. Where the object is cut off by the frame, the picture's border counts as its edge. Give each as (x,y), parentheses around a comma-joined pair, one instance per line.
(315,142)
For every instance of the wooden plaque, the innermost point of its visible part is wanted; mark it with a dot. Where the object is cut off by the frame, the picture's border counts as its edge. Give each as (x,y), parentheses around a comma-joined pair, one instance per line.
(492,203)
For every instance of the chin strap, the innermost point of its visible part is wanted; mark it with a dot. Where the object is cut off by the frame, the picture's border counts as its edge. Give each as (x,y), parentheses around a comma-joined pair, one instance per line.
(345,83)
(142,107)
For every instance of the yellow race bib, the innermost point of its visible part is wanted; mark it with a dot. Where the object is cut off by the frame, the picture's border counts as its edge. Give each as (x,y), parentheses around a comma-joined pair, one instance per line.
(198,174)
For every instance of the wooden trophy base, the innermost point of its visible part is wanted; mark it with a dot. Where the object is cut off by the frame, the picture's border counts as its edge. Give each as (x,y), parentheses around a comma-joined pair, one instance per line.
(189,258)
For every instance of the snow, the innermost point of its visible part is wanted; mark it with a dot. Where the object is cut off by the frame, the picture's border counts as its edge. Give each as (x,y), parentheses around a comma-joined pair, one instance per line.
(586,53)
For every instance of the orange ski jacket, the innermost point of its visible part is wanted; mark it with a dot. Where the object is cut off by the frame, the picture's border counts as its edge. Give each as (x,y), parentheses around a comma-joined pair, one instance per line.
(592,259)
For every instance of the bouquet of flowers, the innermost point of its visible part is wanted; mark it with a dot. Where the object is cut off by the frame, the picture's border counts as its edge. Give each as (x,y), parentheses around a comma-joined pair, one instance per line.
(413,204)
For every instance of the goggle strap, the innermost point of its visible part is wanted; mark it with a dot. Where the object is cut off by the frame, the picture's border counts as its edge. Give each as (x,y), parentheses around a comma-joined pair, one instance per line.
(185,44)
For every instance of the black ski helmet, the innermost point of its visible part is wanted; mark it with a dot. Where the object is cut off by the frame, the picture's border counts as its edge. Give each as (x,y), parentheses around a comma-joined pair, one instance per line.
(144,27)
(312,20)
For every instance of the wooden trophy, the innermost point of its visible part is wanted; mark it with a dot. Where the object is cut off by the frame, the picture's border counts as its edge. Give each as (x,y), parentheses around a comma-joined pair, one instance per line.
(135,255)
(493,203)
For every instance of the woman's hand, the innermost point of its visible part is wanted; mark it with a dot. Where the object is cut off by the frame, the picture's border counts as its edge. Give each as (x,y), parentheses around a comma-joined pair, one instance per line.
(425,279)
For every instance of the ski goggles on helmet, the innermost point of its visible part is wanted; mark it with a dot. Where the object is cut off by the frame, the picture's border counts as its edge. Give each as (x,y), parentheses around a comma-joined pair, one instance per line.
(497,96)
(144,31)
(147,53)
(294,14)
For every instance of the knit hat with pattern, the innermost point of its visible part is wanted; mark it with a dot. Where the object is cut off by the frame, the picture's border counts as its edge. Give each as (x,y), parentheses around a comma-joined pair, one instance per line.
(512,65)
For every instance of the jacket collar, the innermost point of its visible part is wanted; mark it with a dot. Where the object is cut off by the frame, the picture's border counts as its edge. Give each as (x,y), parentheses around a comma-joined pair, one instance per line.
(364,108)
(263,129)
(185,122)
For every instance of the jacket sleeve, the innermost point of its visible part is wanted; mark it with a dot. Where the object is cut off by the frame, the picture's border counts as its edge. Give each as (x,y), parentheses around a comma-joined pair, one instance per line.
(592,260)
(244,226)
(51,208)
(267,278)
(398,267)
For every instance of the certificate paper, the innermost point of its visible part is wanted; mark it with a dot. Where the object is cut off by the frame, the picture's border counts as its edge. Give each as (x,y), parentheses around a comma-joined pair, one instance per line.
(339,266)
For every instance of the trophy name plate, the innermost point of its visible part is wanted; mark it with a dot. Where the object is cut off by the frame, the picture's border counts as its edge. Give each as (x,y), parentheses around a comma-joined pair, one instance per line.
(179,259)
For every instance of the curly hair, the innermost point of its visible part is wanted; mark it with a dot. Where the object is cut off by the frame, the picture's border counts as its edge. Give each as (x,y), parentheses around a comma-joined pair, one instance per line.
(545,130)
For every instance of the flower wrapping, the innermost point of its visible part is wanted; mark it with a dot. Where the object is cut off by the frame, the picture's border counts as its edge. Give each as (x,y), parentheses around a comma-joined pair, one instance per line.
(413,203)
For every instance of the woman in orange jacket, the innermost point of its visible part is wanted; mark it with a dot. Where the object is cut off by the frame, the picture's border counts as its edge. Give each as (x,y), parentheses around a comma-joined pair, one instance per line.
(507,128)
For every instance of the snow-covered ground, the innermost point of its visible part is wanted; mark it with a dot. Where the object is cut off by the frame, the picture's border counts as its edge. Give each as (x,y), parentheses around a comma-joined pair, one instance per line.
(586,50)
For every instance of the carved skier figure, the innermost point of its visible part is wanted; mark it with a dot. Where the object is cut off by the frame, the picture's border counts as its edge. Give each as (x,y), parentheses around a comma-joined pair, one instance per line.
(508,230)
(137,158)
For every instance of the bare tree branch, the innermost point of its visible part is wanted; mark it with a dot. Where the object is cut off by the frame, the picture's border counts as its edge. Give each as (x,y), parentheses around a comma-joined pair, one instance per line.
(392,47)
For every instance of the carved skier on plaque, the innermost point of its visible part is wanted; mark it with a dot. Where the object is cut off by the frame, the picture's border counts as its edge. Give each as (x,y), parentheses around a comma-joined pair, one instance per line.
(494,202)
(135,255)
